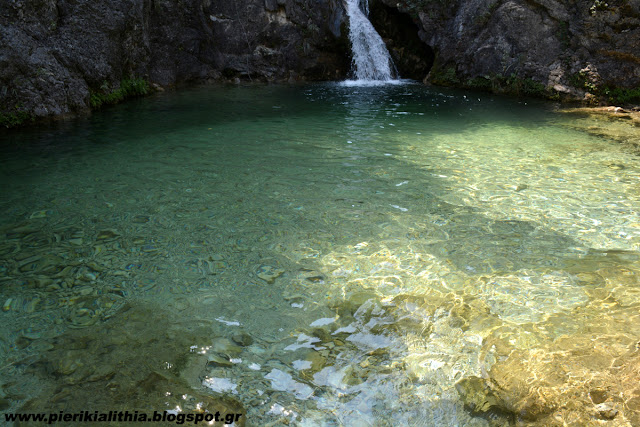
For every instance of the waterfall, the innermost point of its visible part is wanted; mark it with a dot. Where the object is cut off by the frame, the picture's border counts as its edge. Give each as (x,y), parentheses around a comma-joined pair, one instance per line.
(371,59)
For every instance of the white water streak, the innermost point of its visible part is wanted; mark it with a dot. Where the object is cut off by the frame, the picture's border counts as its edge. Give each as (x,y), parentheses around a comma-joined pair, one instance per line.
(371,59)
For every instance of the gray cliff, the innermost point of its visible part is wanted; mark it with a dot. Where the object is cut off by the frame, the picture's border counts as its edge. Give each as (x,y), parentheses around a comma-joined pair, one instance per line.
(572,49)
(56,54)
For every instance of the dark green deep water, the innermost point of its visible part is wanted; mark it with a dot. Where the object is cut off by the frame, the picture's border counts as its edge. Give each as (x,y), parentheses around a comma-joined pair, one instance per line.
(326,254)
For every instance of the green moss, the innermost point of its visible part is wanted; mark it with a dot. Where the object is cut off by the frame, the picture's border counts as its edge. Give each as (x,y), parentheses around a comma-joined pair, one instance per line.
(15,117)
(129,88)
(522,86)
(611,95)
(511,85)
(582,81)
(444,76)
(480,83)
(497,83)
(622,96)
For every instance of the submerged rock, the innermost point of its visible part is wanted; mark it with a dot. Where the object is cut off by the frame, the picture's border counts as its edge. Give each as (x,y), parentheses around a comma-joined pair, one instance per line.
(242,339)
(269,273)
(215,360)
(225,346)
(107,235)
(95,367)
(476,395)
(552,386)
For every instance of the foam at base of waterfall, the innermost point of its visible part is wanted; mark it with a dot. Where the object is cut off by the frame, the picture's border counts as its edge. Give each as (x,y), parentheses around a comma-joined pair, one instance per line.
(373,83)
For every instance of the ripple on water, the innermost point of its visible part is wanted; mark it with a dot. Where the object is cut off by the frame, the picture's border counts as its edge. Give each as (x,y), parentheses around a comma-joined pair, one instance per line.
(385,256)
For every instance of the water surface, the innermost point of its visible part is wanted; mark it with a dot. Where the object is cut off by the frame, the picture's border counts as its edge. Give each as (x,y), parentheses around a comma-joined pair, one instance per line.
(325,254)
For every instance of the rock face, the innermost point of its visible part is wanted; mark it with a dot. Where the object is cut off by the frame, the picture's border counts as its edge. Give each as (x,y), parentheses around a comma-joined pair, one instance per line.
(55,53)
(568,48)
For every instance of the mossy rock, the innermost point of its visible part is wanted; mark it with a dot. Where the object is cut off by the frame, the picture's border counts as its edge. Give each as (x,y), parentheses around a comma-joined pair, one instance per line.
(128,88)
(14,118)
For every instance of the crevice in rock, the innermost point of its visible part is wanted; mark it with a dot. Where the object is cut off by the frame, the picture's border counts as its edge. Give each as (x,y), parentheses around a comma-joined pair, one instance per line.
(413,58)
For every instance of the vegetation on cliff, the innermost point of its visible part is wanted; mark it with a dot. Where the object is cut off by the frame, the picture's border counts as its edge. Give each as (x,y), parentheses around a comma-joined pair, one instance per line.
(15,117)
(497,83)
(129,88)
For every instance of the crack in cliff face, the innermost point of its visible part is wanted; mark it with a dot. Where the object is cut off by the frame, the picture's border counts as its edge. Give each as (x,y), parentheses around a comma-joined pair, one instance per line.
(413,58)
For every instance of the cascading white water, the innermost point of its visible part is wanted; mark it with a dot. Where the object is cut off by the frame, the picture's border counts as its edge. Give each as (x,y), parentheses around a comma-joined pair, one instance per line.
(371,59)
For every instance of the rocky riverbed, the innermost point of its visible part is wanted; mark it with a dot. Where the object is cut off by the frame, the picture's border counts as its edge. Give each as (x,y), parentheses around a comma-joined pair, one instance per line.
(616,123)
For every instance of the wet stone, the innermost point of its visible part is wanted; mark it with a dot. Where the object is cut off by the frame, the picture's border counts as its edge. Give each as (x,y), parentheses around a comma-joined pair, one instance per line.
(95,267)
(242,339)
(40,214)
(353,376)
(475,394)
(68,364)
(85,290)
(39,282)
(225,346)
(354,302)
(31,306)
(322,333)
(140,219)
(88,277)
(317,359)
(218,266)
(21,343)
(598,396)
(268,273)
(180,304)
(46,263)
(215,360)
(107,235)
(606,410)
(20,232)
(82,318)
(17,304)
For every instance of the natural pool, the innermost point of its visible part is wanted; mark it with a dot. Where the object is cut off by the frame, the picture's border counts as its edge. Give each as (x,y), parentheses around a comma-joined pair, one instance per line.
(322,255)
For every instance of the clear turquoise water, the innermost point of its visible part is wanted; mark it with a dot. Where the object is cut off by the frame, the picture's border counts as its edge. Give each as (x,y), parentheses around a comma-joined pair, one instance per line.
(379,245)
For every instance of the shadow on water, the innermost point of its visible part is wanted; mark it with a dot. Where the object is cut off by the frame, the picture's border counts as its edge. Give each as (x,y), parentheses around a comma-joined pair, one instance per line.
(80,374)
(331,192)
